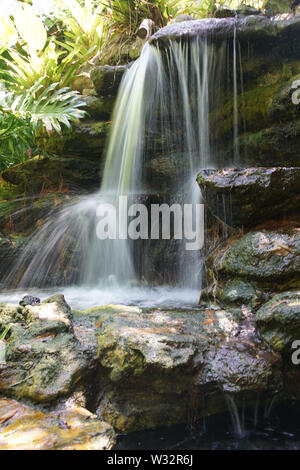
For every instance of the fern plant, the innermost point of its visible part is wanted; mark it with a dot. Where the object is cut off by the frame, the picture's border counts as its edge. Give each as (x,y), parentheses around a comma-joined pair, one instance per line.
(23,113)
(51,106)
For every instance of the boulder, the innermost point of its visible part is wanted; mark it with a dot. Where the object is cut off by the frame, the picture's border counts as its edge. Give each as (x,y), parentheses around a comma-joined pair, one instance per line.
(247,197)
(236,292)
(107,78)
(23,427)
(151,362)
(268,257)
(255,27)
(43,358)
(247,270)
(275,7)
(134,368)
(278,321)
(223,12)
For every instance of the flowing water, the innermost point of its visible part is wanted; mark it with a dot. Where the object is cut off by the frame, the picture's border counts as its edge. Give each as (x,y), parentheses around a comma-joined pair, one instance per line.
(161,114)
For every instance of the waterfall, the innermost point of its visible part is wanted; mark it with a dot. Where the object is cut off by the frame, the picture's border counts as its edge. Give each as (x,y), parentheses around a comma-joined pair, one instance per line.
(234,414)
(235,106)
(162,112)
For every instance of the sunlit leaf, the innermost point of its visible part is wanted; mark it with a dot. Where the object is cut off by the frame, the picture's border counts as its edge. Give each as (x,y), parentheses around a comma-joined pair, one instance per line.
(9,34)
(31,28)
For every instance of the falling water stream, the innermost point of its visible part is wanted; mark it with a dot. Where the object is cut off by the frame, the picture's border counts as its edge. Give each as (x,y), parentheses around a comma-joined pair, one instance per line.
(162,111)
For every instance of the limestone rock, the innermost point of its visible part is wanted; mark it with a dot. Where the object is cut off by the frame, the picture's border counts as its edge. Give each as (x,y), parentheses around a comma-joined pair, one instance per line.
(252,195)
(26,428)
(153,360)
(269,257)
(258,26)
(107,78)
(223,12)
(44,360)
(279,321)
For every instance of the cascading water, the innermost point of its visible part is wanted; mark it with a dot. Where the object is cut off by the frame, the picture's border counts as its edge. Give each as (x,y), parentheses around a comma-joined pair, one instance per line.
(161,114)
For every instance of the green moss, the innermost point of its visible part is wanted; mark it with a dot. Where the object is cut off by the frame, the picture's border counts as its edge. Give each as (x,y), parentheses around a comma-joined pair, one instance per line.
(120,358)
(279,321)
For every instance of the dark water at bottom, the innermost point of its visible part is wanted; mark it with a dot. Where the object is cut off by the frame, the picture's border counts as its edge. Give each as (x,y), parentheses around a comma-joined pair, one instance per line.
(280,432)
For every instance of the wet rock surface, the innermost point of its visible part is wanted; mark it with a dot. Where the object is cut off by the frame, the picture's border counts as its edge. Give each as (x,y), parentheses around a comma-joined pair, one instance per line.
(246,27)
(135,368)
(245,197)
(23,427)
(107,78)
(279,321)
(43,359)
(249,269)
(267,256)
(151,362)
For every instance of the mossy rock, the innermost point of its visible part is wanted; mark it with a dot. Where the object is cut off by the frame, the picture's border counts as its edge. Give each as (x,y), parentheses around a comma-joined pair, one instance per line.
(172,355)
(43,358)
(277,145)
(279,321)
(86,140)
(275,7)
(269,258)
(247,197)
(107,78)
(236,292)
(53,174)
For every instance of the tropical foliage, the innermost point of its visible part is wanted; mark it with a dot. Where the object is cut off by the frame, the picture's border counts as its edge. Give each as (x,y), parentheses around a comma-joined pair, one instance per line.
(35,74)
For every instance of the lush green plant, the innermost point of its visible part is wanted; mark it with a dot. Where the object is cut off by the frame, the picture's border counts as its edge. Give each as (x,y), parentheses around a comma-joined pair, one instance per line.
(86,28)
(30,57)
(35,76)
(21,114)
(128,14)
(24,69)
(50,107)
(16,138)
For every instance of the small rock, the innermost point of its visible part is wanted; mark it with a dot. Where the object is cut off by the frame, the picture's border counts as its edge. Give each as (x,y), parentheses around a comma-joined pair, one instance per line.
(223,12)
(25,428)
(247,10)
(181,18)
(279,321)
(29,300)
